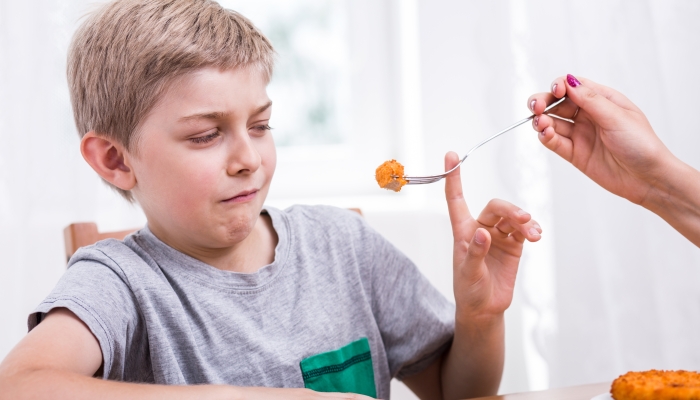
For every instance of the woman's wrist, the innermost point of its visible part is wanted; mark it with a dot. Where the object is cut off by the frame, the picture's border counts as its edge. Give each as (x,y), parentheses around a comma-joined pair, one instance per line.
(674,197)
(668,188)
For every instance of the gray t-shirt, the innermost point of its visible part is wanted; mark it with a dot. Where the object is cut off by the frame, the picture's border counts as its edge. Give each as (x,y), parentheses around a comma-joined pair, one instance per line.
(162,316)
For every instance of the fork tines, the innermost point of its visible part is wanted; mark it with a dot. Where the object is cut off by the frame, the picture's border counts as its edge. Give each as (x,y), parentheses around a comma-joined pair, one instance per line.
(421,180)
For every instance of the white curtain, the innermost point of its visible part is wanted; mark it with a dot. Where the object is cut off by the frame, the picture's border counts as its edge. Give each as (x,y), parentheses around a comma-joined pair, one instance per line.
(610,287)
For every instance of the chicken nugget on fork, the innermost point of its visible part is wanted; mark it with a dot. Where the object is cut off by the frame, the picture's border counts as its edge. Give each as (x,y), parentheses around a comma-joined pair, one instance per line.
(389,175)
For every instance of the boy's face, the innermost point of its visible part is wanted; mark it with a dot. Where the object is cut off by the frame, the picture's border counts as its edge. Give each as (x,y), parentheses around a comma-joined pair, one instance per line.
(205,158)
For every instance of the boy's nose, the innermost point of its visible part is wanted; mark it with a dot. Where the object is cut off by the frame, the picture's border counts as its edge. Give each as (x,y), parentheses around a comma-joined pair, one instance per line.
(243,156)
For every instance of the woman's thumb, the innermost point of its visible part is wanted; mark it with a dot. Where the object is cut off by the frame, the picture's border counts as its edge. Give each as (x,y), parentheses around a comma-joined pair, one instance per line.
(596,105)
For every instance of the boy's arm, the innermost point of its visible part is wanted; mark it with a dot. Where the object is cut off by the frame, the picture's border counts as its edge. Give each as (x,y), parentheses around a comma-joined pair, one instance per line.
(472,367)
(486,255)
(58,358)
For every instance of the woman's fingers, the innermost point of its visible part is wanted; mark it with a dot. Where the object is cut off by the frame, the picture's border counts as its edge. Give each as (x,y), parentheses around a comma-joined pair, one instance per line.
(568,109)
(560,85)
(603,106)
(601,103)
(609,93)
(559,144)
(538,102)
(596,105)
(544,121)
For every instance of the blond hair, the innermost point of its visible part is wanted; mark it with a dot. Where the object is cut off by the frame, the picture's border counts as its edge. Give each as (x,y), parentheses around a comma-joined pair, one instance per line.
(125,54)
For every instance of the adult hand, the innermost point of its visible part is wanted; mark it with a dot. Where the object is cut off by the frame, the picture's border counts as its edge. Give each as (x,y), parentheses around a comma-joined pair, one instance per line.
(611,141)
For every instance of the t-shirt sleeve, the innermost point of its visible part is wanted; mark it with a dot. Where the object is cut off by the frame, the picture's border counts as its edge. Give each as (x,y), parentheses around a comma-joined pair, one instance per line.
(415,320)
(99,296)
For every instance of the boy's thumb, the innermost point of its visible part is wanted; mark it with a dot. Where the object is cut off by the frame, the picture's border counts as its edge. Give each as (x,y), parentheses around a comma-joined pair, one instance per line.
(479,246)
(595,104)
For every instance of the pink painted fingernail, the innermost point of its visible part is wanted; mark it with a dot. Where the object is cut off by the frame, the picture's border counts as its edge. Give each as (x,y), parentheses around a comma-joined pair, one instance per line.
(554,88)
(572,81)
(532,105)
(542,133)
(537,121)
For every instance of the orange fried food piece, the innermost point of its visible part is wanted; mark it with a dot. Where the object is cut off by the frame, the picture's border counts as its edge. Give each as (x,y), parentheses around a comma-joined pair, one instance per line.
(657,385)
(390,175)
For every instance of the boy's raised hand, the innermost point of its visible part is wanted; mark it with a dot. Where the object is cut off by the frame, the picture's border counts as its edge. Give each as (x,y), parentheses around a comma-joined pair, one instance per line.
(487,249)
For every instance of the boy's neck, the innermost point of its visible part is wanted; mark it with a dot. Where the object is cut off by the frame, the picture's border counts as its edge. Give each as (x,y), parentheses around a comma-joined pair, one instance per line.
(248,256)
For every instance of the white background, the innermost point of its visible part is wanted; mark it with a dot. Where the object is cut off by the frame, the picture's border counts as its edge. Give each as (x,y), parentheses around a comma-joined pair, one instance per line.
(610,287)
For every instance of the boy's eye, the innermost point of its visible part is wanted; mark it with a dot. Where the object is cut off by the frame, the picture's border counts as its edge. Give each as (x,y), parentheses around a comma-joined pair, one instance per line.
(262,128)
(205,139)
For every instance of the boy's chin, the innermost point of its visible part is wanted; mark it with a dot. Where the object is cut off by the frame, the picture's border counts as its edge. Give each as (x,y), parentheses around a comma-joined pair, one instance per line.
(239,228)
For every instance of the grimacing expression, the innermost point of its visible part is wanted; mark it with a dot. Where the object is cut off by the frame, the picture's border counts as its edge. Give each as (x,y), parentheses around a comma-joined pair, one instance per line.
(205,158)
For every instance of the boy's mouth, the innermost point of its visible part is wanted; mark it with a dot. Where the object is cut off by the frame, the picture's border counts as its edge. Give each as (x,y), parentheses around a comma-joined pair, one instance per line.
(243,196)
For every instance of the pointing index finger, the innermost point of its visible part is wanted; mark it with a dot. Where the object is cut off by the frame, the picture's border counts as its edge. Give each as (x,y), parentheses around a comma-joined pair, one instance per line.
(456,205)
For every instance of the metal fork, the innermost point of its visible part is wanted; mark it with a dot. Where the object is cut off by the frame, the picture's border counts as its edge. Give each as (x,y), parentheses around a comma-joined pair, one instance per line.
(421,180)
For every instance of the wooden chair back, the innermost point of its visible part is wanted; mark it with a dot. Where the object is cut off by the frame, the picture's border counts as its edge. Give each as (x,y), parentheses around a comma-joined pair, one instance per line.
(82,234)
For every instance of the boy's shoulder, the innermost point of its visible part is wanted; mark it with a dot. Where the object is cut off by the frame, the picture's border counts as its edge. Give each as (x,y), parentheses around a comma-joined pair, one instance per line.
(128,261)
(109,252)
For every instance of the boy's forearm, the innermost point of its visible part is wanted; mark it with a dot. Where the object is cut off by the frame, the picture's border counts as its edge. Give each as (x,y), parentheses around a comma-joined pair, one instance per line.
(52,384)
(474,364)
(675,197)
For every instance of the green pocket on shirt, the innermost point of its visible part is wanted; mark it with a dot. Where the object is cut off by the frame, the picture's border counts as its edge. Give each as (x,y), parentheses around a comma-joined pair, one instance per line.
(347,370)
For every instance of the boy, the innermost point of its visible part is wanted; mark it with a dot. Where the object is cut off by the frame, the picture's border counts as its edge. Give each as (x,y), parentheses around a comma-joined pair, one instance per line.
(219,296)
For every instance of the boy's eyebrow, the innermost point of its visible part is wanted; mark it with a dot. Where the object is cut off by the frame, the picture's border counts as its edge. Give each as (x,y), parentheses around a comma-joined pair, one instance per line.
(262,108)
(207,115)
(221,115)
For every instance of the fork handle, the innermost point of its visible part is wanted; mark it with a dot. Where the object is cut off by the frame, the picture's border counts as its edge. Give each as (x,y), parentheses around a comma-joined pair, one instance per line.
(434,178)
(515,125)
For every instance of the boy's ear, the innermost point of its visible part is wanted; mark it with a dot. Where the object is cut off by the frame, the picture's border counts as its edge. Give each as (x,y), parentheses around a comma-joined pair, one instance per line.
(109,159)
